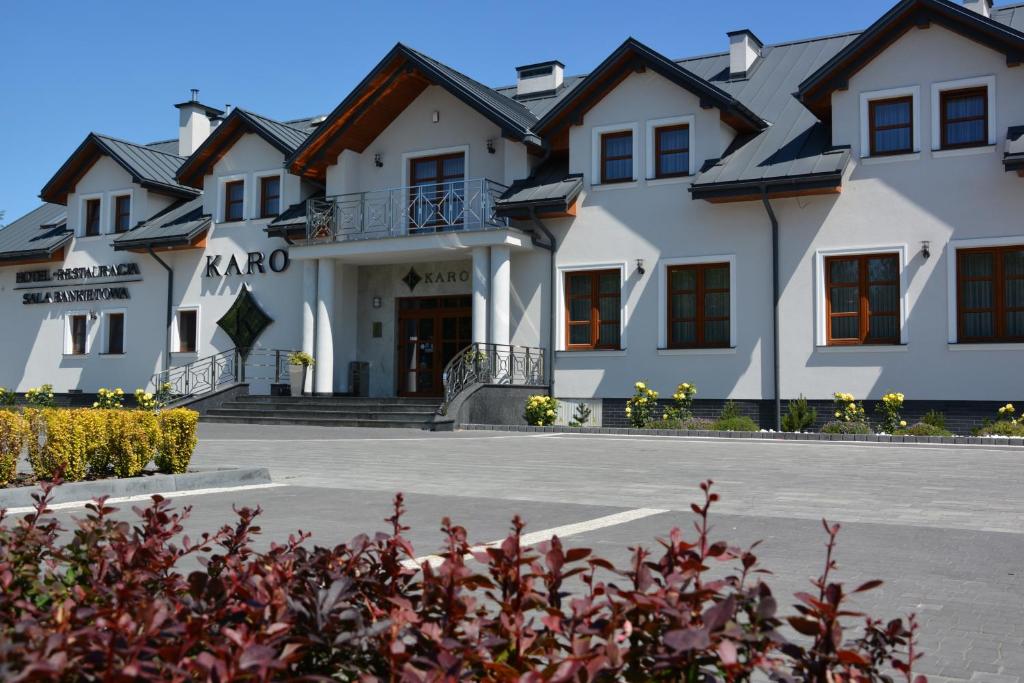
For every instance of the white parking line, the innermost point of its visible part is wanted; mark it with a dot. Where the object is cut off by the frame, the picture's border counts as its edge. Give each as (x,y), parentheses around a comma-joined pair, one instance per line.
(386,439)
(70,505)
(561,531)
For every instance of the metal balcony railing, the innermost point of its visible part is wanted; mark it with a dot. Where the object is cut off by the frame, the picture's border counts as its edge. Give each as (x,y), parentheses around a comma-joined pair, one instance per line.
(492,364)
(206,375)
(464,205)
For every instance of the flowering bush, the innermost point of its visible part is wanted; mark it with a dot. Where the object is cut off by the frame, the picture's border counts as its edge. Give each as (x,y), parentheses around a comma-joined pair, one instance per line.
(541,410)
(301,358)
(109,399)
(1006,413)
(7,397)
(111,597)
(145,400)
(889,408)
(846,408)
(682,403)
(641,406)
(40,397)
(164,394)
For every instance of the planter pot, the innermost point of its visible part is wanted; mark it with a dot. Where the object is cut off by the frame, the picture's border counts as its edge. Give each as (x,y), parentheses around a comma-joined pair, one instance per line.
(297,378)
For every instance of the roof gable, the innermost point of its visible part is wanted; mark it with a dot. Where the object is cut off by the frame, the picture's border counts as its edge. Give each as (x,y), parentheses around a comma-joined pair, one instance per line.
(386,91)
(634,56)
(283,137)
(815,92)
(150,168)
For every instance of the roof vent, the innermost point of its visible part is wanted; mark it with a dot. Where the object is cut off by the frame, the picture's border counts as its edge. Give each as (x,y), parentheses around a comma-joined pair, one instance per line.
(543,77)
(744,51)
(982,7)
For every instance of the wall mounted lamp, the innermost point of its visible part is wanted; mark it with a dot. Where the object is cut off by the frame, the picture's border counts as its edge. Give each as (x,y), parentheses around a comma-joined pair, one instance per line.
(490,145)
(378,160)
(377,303)
(435,117)
(640,266)
(926,249)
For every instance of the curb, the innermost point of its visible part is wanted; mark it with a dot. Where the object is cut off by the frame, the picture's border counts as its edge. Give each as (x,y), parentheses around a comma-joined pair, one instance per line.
(768,436)
(71,492)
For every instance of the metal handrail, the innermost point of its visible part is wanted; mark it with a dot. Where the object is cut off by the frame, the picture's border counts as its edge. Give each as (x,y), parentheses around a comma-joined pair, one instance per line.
(411,210)
(206,375)
(491,364)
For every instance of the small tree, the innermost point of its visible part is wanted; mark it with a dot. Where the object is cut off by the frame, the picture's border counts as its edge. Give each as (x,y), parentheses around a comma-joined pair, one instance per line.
(800,416)
(581,416)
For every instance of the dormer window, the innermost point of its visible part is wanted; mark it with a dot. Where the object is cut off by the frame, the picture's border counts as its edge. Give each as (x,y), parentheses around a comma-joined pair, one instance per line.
(122,213)
(234,200)
(672,151)
(617,157)
(891,124)
(92,218)
(964,117)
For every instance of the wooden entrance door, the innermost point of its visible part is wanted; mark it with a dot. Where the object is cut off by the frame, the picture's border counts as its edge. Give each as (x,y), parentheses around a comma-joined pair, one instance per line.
(431,331)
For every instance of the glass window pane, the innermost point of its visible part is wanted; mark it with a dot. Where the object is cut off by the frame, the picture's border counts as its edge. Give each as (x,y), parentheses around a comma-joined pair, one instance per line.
(609,334)
(674,163)
(1015,324)
(453,167)
(883,327)
(977,294)
(892,140)
(716,305)
(579,309)
(683,279)
(684,333)
(716,332)
(608,283)
(892,113)
(846,328)
(978,325)
(978,264)
(884,298)
(883,268)
(965,106)
(618,146)
(1014,294)
(844,299)
(579,284)
(716,278)
(1013,263)
(424,170)
(618,169)
(684,306)
(608,308)
(844,270)
(672,140)
(235,191)
(579,334)
(965,132)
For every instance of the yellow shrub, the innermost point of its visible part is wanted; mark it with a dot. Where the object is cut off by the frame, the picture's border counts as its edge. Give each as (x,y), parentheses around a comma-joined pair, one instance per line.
(64,449)
(96,432)
(177,440)
(36,428)
(133,437)
(13,433)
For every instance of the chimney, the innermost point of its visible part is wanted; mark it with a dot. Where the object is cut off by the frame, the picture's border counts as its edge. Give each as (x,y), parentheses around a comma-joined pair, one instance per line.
(744,51)
(534,79)
(982,7)
(194,123)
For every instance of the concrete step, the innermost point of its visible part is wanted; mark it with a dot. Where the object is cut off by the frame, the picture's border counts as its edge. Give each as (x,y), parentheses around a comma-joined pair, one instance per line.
(313,422)
(251,410)
(340,401)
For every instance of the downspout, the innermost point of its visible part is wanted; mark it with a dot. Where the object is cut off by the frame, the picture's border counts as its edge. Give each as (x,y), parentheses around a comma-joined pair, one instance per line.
(775,305)
(170,306)
(552,247)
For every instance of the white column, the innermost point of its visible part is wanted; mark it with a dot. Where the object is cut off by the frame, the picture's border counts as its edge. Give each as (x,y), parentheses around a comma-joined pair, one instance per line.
(324,368)
(501,294)
(481,292)
(309,316)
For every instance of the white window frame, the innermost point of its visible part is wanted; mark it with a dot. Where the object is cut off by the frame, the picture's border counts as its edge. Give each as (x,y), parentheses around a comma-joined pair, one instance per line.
(652,125)
(951,262)
(663,266)
(439,151)
(821,319)
(105,332)
(988,82)
(222,183)
(560,339)
(595,146)
(68,342)
(866,98)
(112,208)
(257,189)
(175,340)
(83,199)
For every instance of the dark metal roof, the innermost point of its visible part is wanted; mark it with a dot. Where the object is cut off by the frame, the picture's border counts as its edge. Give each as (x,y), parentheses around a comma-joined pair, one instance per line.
(179,224)
(1011,15)
(166,146)
(551,186)
(284,136)
(153,169)
(37,234)
(291,219)
(1013,159)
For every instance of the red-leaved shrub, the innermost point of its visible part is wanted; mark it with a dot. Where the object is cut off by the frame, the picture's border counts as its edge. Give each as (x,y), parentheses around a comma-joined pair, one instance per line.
(108,602)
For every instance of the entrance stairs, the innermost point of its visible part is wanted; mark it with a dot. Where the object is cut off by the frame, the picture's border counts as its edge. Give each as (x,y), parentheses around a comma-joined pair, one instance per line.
(329,411)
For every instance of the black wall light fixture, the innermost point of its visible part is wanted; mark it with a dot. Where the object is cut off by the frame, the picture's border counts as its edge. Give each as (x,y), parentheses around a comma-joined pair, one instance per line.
(378,160)
(926,249)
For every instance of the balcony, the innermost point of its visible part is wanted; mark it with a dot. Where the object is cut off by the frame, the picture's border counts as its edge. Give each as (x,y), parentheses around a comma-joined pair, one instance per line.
(459,206)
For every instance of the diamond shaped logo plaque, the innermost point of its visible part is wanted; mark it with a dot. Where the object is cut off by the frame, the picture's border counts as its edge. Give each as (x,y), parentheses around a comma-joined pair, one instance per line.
(412,278)
(245,321)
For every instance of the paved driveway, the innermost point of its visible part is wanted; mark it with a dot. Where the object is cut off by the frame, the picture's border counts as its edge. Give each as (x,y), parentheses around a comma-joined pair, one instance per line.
(941,525)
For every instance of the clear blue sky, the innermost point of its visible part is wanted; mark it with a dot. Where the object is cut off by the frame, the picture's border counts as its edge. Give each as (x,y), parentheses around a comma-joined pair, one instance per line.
(116,67)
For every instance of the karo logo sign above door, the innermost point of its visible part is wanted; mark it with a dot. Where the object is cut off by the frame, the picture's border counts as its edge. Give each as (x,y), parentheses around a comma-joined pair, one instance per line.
(254,263)
(437,277)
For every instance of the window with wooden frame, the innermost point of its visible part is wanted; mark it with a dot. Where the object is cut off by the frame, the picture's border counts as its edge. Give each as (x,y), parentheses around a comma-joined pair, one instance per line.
(122,213)
(270,196)
(234,200)
(862,296)
(891,126)
(187,341)
(698,306)
(963,117)
(593,310)
(617,157)
(990,294)
(437,194)
(672,151)
(92,218)
(77,331)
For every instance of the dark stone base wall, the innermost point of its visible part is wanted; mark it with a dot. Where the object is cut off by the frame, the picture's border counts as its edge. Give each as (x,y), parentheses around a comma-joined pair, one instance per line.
(497,405)
(961,416)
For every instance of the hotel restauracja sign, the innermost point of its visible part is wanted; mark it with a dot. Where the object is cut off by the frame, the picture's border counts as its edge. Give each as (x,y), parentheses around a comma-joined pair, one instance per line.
(96,275)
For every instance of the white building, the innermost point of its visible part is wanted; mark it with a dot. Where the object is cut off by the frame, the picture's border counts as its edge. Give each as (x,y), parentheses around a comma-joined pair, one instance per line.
(834,214)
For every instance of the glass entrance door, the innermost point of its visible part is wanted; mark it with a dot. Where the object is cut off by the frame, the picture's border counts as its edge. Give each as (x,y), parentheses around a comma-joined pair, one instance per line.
(431,331)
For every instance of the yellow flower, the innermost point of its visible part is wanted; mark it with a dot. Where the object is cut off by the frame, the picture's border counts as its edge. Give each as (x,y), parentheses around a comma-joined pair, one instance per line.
(838,414)
(640,386)
(903,423)
(550,413)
